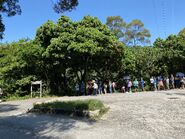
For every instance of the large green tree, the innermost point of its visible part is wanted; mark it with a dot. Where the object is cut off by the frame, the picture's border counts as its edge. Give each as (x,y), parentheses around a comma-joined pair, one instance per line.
(86,48)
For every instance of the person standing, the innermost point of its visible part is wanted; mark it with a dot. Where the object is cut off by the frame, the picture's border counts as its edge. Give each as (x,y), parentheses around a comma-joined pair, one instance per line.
(160,84)
(105,88)
(113,86)
(167,83)
(182,83)
(129,85)
(77,89)
(82,88)
(155,84)
(110,87)
(136,84)
(151,83)
(100,87)
(123,89)
(172,81)
(95,88)
(142,84)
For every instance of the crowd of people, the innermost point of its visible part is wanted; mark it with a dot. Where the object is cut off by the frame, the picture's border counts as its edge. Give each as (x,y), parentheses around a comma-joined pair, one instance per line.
(95,87)
(155,83)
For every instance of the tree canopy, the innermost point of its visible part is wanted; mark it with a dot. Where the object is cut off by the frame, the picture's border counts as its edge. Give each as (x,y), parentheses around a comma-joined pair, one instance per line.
(136,34)
(131,34)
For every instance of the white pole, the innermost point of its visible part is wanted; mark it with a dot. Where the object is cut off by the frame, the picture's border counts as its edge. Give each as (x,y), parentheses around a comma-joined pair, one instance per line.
(40,89)
(31,90)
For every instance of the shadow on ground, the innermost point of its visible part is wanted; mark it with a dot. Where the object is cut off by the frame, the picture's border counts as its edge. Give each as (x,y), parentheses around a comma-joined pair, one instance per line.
(7,107)
(180,94)
(38,126)
(171,94)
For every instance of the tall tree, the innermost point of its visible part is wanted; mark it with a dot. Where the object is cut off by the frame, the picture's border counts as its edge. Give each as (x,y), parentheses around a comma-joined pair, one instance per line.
(117,26)
(136,34)
(80,47)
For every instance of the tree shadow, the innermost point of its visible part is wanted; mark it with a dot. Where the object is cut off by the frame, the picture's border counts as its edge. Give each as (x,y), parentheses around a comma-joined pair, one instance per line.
(169,94)
(7,107)
(42,126)
(180,94)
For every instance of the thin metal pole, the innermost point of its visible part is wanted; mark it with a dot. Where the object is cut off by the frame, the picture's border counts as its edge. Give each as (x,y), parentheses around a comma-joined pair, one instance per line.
(31,91)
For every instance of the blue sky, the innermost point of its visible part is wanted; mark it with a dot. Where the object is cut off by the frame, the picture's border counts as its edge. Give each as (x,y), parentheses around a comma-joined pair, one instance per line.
(161,17)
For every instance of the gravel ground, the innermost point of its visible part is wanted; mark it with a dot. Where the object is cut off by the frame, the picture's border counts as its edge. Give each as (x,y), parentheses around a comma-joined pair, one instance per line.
(146,115)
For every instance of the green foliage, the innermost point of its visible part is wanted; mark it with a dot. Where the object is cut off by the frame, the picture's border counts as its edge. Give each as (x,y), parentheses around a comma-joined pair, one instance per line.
(62,54)
(128,64)
(158,43)
(147,60)
(16,97)
(182,33)
(73,47)
(19,66)
(173,52)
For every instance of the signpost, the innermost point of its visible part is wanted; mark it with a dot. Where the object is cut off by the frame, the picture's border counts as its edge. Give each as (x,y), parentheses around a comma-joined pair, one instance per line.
(36,83)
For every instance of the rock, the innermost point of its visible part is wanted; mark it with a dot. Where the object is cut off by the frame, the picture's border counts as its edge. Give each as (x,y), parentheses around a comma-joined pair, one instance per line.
(94,113)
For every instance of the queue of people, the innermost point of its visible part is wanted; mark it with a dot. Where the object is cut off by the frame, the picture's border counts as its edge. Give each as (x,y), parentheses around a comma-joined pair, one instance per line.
(166,83)
(156,84)
(97,87)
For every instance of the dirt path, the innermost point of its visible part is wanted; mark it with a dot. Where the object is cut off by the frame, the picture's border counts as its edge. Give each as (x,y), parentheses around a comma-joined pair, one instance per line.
(150,115)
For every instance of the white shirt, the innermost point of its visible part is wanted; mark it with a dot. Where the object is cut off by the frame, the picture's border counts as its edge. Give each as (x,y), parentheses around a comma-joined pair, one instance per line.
(95,86)
(151,80)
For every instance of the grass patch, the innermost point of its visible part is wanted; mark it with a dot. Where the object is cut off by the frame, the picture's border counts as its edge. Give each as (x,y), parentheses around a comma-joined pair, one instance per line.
(72,105)
(15,97)
(86,108)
